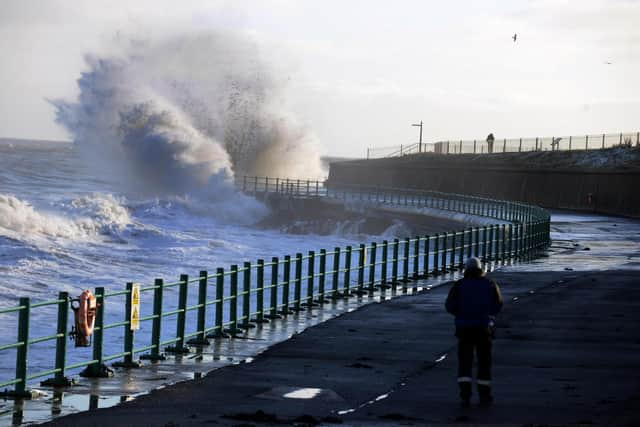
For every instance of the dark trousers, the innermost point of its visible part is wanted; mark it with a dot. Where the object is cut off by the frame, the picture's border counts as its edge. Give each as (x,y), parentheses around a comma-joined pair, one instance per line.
(472,340)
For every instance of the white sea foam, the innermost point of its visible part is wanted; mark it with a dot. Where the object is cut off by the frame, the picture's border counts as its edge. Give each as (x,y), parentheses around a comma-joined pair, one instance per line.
(91,215)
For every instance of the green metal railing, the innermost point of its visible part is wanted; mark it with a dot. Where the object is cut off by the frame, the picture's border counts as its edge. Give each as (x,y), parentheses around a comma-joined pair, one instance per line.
(230,301)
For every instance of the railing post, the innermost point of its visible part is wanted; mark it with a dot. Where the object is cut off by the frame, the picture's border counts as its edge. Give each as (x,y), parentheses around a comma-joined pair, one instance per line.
(129,334)
(452,258)
(260,318)
(603,140)
(425,261)
(182,317)
(476,244)
(361,259)
(287,281)
(98,369)
(510,243)
(586,142)
(503,242)
(201,338)
(416,257)
(273,299)
(385,260)
(520,146)
(219,329)
(22,352)
(233,301)
(311,263)
(394,267)
(463,234)
(372,267)
(347,271)
(405,263)
(436,253)
(297,290)
(59,379)
(322,276)
(486,250)
(156,324)
(519,229)
(255,186)
(491,239)
(444,252)
(336,272)
(246,296)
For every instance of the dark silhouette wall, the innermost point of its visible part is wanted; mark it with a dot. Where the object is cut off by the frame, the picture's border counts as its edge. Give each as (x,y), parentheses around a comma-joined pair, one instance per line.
(603,191)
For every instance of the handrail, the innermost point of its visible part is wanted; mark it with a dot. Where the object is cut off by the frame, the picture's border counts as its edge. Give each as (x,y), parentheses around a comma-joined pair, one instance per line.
(511,145)
(230,300)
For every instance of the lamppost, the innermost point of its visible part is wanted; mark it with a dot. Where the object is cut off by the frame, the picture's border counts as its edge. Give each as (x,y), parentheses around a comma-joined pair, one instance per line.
(420,143)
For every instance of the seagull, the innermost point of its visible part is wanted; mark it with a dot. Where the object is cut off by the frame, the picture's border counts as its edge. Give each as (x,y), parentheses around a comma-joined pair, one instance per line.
(515,36)
(607,62)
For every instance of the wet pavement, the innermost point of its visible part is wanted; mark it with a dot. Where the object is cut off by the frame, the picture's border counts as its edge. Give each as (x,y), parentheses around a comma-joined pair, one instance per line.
(128,384)
(565,353)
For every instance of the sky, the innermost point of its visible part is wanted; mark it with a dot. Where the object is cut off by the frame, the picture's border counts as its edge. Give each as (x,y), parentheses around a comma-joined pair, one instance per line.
(360,73)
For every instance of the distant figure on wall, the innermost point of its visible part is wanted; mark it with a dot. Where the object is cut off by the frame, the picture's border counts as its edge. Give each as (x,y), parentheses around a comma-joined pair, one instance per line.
(490,140)
(474,301)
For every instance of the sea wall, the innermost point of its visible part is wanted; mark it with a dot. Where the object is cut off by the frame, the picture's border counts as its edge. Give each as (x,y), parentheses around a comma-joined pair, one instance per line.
(604,191)
(324,216)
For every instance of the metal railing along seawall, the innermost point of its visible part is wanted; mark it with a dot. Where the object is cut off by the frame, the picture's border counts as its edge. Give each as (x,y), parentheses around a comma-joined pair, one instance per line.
(511,145)
(176,315)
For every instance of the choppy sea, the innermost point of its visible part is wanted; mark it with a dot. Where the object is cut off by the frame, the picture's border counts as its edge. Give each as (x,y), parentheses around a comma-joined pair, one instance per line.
(65,228)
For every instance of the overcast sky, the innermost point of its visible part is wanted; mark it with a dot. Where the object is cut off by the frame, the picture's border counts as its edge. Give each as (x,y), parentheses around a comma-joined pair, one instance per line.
(362,71)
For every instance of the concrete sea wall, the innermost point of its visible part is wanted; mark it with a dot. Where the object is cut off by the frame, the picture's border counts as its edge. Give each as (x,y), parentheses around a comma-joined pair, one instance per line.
(605,191)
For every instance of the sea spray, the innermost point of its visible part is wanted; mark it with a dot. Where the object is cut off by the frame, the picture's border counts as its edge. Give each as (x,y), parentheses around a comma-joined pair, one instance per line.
(184,114)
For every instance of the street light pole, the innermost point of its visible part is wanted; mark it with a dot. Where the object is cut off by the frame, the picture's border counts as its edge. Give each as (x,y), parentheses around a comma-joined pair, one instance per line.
(420,143)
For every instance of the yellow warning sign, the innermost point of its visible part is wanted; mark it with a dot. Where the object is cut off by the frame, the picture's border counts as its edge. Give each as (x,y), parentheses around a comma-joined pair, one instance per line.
(135,307)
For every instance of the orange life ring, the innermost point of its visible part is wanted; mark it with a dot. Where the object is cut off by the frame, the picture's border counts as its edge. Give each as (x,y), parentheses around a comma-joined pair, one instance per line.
(85,317)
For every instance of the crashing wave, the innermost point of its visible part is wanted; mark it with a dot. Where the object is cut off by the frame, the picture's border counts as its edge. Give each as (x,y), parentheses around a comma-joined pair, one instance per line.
(91,215)
(183,115)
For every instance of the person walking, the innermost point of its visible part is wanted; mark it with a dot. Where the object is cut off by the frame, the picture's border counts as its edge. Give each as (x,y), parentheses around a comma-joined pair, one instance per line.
(490,140)
(474,301)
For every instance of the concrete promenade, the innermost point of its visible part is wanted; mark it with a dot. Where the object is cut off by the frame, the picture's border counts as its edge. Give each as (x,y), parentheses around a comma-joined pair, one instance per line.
(566,353)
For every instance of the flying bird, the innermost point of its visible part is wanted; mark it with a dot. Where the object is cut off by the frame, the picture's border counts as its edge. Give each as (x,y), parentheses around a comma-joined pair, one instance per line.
(515,37)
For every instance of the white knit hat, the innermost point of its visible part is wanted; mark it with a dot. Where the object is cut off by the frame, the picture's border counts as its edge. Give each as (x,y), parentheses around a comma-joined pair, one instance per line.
(473,263)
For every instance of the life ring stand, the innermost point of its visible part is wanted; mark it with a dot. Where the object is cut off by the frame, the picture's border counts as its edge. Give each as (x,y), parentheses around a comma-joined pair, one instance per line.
(84,312)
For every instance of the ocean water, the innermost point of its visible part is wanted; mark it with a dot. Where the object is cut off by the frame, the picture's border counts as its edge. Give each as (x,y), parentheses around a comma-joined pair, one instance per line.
(64,227)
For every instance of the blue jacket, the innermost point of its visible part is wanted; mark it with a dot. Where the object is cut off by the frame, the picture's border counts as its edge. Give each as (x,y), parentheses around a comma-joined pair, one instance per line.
(474,301)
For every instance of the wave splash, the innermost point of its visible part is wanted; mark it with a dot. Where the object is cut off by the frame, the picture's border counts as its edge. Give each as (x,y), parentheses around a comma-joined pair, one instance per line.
(91,215)
(183,115)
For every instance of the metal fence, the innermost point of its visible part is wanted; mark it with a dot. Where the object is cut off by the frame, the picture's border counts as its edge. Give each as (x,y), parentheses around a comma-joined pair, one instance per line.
(188,312)
(511,145)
